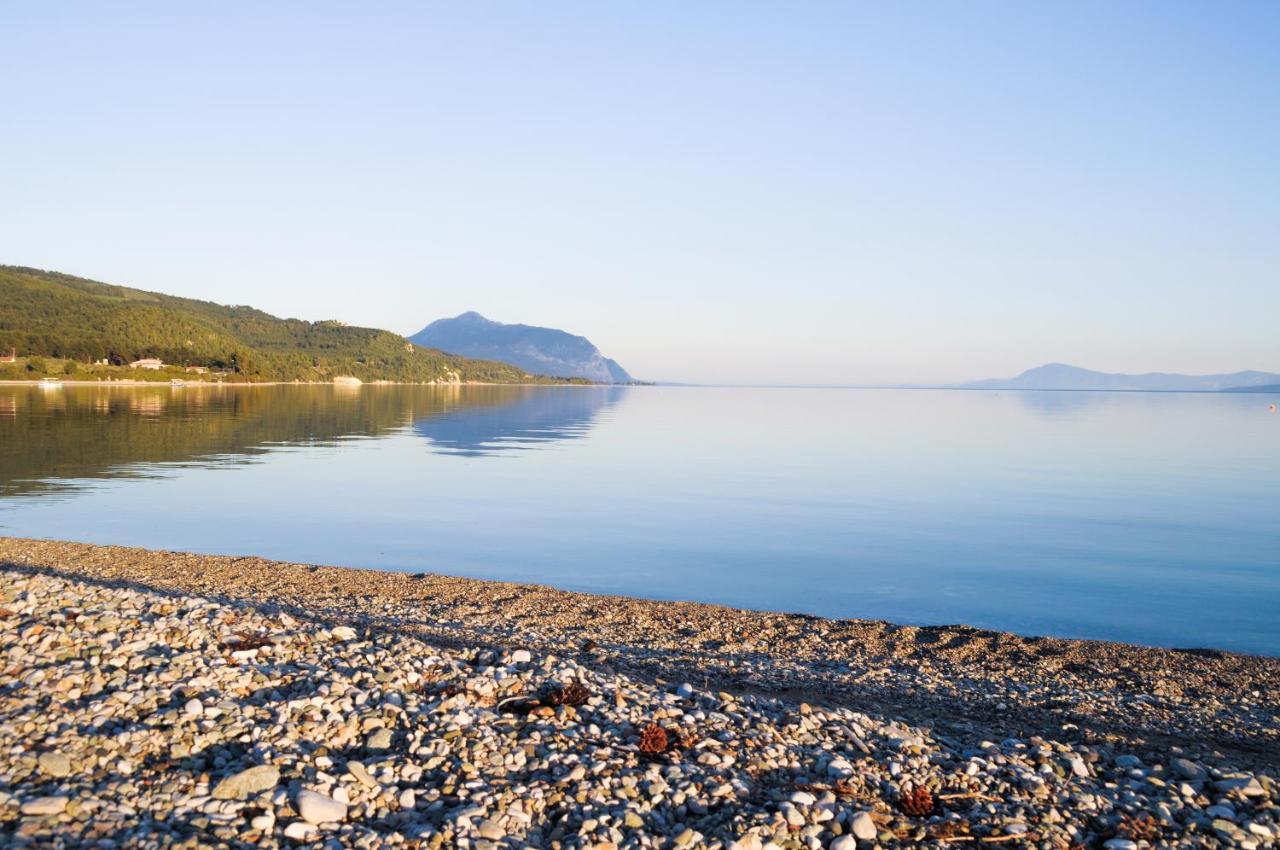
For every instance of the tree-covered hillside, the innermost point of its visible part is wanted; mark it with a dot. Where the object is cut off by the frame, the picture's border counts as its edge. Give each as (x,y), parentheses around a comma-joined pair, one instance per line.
(48,314)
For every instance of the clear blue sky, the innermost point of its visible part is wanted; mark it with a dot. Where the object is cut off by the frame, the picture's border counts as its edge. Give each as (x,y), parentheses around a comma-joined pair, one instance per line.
(711,192)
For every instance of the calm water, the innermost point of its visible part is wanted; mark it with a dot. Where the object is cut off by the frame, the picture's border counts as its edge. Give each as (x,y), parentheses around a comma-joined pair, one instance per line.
(1152,518)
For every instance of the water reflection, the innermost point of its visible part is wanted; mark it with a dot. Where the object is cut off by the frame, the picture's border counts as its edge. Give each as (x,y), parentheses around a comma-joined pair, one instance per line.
(537,417)
(1135,516)
(1074,403)
(52,442)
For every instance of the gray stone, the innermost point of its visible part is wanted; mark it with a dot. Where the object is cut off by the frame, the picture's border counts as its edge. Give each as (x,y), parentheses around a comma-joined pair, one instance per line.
(1188,769)
(489,829)
(55,764)
(378,739)
(44,806)
(1249,786)
(239,786)
(361,773)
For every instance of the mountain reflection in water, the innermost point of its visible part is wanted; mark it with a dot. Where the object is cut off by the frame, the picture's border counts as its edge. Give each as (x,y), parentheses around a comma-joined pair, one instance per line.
(54,442)
(536,418)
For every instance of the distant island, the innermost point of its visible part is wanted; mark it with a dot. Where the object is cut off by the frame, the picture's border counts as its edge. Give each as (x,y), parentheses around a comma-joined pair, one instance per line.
(545,351)
(57,325)
(1060,376)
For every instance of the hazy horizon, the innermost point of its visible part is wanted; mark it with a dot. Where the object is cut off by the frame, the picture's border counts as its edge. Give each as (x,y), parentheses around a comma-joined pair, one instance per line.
(726,193)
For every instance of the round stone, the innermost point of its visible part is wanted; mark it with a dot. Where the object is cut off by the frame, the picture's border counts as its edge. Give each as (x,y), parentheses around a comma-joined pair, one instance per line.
(863,827)
(317,808)
(299,831)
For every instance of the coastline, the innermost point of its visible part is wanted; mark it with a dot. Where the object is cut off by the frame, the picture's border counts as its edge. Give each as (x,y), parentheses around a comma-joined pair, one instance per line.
(1178,734)
(919,671)
(36,382)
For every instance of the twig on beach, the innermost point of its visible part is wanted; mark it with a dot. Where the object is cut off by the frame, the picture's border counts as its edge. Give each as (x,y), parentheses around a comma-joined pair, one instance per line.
(997,839)
(970,795)
(986,839)
(503,703)
(841,788)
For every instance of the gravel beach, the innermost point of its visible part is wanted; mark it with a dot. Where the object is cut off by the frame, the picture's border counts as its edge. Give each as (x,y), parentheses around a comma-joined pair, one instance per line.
(156,699)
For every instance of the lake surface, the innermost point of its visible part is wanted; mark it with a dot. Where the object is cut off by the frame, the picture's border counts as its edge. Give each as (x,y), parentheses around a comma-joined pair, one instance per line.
(1143,517)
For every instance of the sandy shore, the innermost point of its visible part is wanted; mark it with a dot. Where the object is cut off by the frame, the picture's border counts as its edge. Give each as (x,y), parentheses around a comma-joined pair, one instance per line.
(775,728)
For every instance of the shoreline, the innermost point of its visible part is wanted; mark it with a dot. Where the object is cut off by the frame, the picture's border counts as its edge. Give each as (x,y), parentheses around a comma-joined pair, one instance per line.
(128,383)
(774,727)
(927,671)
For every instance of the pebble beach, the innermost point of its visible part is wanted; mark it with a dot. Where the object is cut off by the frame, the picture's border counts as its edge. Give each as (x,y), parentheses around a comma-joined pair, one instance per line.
(156,699)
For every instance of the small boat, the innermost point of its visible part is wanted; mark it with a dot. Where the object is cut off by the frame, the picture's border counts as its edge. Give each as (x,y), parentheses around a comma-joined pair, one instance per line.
(177,382)
(50,384)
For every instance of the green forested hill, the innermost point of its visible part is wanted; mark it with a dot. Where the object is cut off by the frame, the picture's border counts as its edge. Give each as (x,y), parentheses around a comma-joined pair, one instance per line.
(48,314)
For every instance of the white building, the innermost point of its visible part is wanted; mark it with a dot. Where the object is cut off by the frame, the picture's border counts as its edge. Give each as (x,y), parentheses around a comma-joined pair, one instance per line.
(147,363)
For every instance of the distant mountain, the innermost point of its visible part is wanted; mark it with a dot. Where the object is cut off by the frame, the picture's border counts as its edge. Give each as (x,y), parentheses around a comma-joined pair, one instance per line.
(1059,376)
(544,351)
(48,314)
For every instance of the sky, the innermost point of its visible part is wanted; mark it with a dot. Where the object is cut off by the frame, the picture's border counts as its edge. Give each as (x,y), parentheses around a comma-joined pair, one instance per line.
(717,192)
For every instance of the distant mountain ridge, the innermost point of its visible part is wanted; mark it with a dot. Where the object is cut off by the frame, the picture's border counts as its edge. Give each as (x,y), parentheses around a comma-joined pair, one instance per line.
(49,314)
(1060,376)
(544,351)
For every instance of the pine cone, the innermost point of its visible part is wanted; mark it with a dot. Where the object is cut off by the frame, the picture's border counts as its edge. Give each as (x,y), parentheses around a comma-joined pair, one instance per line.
(571,694)
(653,739)
(918,803)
